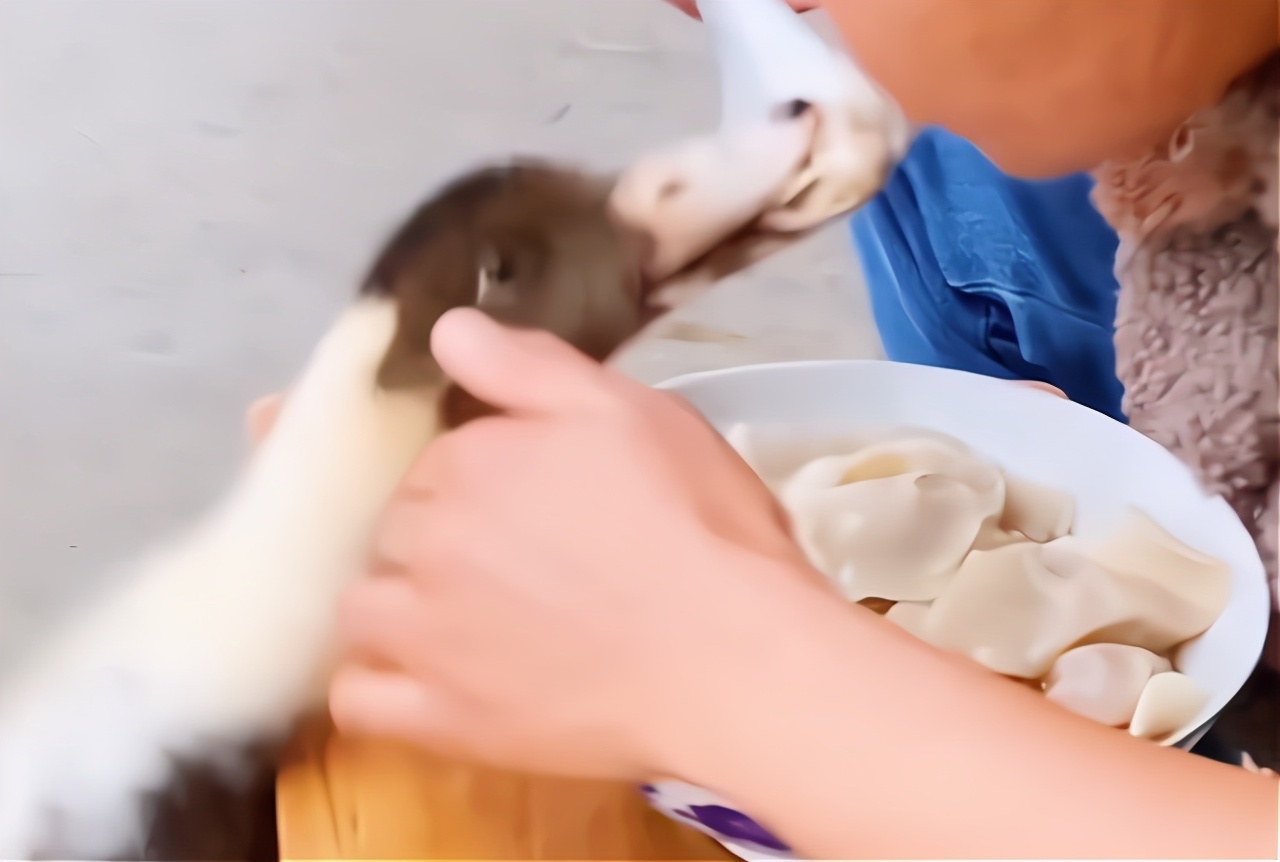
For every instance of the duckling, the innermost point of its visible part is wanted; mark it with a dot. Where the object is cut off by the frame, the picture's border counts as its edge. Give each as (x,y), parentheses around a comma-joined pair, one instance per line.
(214,643)
(203,656)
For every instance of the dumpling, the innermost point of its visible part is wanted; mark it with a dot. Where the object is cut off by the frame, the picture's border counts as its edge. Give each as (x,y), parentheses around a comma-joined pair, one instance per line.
(1103,681)
(1032,512)
(915,525)
(1141,548)
(1169,701)
(893,520)
(908,616)
(1015,609)
(1038,512)
(776,452)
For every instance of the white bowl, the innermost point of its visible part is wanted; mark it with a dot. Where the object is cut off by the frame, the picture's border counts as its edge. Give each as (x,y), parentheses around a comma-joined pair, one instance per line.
(1106,465)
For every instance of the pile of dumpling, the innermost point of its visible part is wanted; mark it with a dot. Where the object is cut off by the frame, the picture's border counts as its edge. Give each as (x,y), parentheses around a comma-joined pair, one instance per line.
(972,560)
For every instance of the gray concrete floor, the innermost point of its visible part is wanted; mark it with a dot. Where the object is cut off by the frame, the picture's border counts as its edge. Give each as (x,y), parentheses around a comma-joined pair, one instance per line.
(189,189)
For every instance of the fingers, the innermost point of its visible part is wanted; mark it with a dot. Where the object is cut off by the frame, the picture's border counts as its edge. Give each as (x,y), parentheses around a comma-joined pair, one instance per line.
(367,702)
(383,624)
(261,416)
(511,369)
(383,619)
(1043,387)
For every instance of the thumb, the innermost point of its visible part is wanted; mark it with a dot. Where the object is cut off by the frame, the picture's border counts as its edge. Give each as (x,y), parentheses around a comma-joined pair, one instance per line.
(522,370)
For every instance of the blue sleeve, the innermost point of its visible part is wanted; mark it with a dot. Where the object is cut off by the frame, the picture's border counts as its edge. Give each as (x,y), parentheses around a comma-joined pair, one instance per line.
(971,269)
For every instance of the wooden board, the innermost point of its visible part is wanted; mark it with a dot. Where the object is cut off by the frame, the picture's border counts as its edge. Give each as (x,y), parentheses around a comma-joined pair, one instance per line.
(345,798)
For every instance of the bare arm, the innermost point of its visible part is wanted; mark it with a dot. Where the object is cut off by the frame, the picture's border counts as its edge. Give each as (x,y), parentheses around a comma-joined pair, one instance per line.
(1046,87)
(854,739)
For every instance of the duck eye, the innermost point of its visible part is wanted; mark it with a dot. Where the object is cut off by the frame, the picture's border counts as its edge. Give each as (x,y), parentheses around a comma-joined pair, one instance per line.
(496,267)
(496,272)
(502,270)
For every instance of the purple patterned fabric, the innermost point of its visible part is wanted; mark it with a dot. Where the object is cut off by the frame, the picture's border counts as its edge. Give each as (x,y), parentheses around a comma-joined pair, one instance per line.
(733,826)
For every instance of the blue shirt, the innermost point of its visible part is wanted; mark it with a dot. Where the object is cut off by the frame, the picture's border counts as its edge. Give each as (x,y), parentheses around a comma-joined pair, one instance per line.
(972,269)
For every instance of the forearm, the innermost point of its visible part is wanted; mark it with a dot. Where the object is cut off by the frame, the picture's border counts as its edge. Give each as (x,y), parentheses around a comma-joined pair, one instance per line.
(963,765)
(1045,87)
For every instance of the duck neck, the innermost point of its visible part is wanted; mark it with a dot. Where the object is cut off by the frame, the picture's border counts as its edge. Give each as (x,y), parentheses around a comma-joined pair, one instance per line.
(340,445)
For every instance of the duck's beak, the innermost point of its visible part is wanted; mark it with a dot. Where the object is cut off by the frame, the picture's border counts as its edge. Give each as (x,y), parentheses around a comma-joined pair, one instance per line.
(805,137)
(683,202)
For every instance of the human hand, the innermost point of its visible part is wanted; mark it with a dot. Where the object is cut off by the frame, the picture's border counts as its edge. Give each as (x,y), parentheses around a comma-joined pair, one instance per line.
(578,606)
(1043,387)
(555,588)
